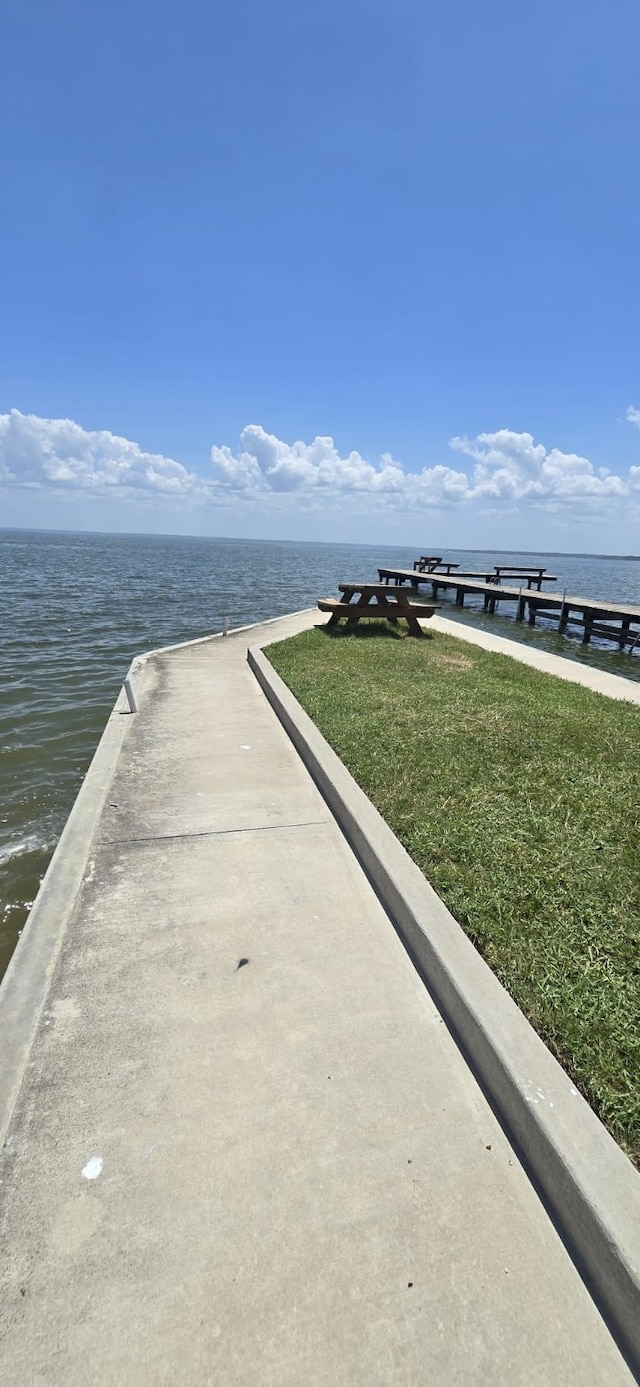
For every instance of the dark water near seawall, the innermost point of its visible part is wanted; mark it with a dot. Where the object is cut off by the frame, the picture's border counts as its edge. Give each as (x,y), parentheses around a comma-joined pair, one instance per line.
(76,608)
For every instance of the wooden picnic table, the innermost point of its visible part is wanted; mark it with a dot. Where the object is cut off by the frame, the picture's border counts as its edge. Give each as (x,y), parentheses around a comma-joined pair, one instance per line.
(375,600)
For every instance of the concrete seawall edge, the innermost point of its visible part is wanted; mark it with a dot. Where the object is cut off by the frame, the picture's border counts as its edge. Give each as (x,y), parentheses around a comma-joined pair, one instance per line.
(27,979)
(26,982)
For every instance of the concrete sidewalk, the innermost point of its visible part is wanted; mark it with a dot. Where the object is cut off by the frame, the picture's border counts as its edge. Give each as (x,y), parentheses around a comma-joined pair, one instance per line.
(245,1148)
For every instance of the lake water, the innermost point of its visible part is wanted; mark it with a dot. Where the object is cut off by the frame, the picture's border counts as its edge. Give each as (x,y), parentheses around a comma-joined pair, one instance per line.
(76,608)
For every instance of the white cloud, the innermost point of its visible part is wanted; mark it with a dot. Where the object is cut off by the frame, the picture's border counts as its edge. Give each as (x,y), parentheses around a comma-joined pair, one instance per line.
(501,471)
(633,416)
(511,468)
(266,464)
(58,453)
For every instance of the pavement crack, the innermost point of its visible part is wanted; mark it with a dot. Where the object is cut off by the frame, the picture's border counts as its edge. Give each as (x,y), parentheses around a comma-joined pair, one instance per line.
(210,833)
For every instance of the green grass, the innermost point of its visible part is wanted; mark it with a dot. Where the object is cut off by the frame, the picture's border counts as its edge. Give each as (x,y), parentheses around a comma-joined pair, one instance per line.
(518,795)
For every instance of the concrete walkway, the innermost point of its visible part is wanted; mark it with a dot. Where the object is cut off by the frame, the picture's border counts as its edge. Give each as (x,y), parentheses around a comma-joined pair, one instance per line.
(245,1148)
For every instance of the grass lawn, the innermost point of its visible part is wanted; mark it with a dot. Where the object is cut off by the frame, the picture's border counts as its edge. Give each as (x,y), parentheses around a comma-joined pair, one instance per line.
(518,795)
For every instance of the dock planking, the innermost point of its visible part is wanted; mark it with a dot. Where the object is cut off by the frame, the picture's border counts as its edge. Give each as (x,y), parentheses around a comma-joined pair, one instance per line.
(415,576)
(613,621)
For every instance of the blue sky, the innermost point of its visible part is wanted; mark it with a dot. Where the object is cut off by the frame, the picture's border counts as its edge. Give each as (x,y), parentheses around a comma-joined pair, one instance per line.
(382,227)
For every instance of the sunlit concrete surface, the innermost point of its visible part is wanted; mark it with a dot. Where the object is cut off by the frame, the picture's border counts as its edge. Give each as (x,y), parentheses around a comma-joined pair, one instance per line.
(246,1148)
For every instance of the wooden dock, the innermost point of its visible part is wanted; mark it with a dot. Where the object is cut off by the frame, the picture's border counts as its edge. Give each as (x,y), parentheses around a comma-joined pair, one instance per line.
(534,575)
(613,621)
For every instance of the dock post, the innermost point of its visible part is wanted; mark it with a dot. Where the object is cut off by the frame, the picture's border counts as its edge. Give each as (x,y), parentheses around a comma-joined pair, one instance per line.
(564,614)
(225,626)
(459,597)
(532,610)
(521,606)
(588,627)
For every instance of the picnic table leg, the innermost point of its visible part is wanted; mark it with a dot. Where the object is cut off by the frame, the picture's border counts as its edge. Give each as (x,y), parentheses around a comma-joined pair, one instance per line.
(404,610)
(382,601)
(353,617)
(415,628)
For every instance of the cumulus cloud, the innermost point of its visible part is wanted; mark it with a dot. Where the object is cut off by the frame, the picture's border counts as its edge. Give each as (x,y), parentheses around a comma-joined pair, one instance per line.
(512,468)
(508,469)
(265,463)
(633,416)
(502,470)
(59,453)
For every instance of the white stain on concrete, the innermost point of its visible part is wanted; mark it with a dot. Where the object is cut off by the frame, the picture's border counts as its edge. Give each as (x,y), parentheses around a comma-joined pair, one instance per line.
(245,747)
(537,1096)
(64,1009)
(93,1168)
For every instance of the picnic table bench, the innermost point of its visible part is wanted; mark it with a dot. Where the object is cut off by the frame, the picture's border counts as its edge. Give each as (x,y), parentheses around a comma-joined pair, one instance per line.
(375,600)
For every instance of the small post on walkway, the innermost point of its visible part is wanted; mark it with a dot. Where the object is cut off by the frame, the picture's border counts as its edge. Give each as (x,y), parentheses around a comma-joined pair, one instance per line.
(225,625)
(128,688)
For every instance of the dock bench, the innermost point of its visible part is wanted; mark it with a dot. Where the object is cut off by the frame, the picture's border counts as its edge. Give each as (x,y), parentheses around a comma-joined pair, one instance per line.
(427,563)
(532,574)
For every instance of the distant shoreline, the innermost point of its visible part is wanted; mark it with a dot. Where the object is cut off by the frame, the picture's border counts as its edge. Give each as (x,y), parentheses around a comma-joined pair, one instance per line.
(328,543)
